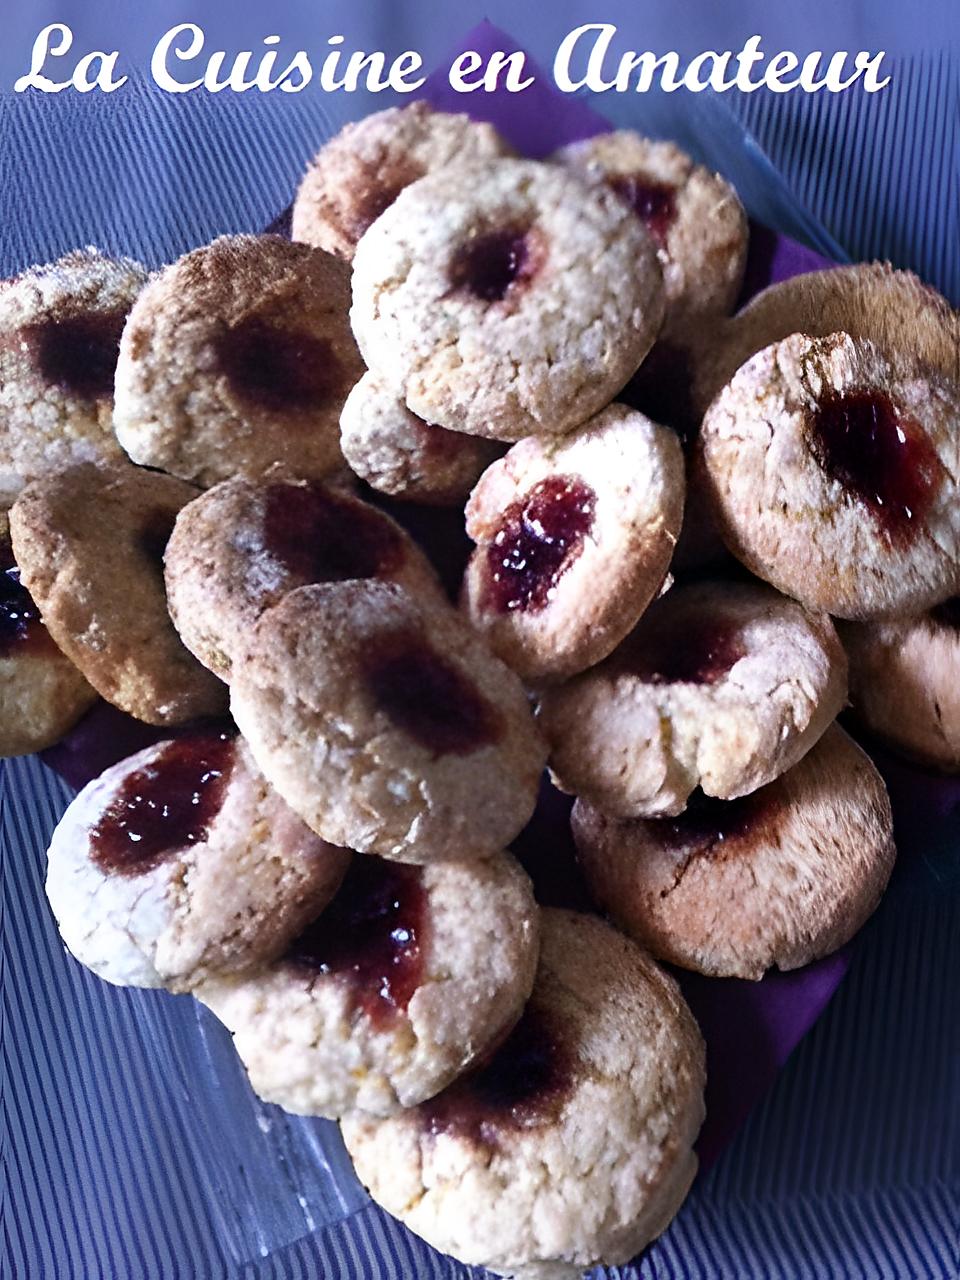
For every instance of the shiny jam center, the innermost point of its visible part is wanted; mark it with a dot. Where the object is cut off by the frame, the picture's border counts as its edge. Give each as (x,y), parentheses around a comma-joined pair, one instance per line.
(79,353)
(490,264)
(20,624)
(167,805)
(278,369)
(372,935)
(882,458)
(320,537)
(540,537)
(687,650)
(655,203)
(428,698)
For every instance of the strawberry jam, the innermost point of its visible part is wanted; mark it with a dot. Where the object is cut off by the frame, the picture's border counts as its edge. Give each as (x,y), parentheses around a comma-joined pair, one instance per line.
(319,536)
(279,370)
(79,353)
(489,265)
(654,203)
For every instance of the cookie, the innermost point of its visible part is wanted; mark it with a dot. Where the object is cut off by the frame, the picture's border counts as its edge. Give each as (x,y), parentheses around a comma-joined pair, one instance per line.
(507,299)
(391,992)
(574,539)
(399,454)
(60,329)
(722,686)
(892,309)
(89,542)
(572,1144)
(694,216)
(240,547)
(386,723)
(361,171)
(832,469)
(732,888)
(905,683)
(42,694)
(237,357)
(181,862)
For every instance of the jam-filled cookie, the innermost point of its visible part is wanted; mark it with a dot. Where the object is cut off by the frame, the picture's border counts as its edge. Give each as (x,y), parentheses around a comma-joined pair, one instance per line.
(237,357)
(361,171)
(732,888)
(506,300)
(387,724)
(42,694)
(399,454)
(574,539)
(694,216)
(572,1144)
(89,542)
(60,329)
(905,682)
(390,992)
(722,686)
(240,547)
(181,862)
(833,469)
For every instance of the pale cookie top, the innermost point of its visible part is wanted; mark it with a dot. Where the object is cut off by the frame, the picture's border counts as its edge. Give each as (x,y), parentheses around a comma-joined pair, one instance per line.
(574,539)
(732,888)
(398,453)
(572,1145)
(694,216)
(832,469)
(507,299)
(361,171)
(60,329)
(387,724)
(393,990)
(722,686)
(241,546)
(180,862)
(89,542)
(237,357)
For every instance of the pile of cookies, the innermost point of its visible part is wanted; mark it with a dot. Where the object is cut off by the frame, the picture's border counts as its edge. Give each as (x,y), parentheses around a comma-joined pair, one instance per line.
(668,507)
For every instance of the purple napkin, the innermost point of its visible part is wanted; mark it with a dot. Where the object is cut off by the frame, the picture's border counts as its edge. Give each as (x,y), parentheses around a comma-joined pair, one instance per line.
(750,1028)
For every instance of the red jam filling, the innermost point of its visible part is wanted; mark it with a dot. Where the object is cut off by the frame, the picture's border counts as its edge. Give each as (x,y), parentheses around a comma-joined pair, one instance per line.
(79,353)
(280,370)
(372,935)
(490,265)
(165,806)
(540,537)
(688,650)
(428,698)
(20,625)
(319,536)
(655,203)
(882,458)
(521,1085)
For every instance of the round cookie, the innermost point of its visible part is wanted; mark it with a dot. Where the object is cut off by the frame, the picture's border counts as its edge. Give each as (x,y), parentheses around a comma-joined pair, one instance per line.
(391,992)
(361,171)
(869,300)
(181,862)
(240,547)
(574,539)
(398,453)
(572,1145)
(905,682)
(387,724)
(833,471)
(722,686)
(60,328)
(693,215)
(42,694)
(507,299)
(89,542)
(235,358)
(732,888)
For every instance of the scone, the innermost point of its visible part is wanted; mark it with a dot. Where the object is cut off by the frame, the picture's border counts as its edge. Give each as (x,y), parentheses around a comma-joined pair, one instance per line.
(181,862)
(572,1144)
(722,686)
(391,992)
(732,888)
